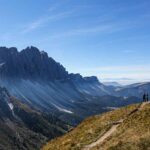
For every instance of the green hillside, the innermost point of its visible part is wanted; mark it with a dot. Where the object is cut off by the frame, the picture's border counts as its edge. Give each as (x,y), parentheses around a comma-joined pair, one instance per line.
(129,128)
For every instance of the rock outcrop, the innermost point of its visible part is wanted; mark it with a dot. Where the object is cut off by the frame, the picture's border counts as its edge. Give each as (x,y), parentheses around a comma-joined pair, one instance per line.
(28,64)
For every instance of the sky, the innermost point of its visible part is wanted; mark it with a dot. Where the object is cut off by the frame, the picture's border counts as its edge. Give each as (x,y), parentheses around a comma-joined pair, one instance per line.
(106,38)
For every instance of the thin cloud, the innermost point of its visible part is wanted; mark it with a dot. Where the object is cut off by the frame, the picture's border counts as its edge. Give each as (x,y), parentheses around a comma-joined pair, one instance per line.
(122,74)
(82,31)
(124,81)
(145,68)
(103,28)
(44,20)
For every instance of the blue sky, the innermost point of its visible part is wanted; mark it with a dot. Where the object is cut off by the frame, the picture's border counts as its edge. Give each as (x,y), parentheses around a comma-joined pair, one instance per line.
(106,38)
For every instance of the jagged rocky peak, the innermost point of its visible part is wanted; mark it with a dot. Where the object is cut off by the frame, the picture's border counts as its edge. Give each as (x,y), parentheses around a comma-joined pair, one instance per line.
(33,52)
(91,79)
(75,77)
(78,77)
(30,63)
(8,50)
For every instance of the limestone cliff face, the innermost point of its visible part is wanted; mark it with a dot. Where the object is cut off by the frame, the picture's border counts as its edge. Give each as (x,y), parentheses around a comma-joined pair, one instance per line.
(29,63)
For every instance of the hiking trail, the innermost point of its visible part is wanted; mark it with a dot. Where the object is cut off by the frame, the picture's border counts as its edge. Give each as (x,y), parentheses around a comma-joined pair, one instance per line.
(113,128)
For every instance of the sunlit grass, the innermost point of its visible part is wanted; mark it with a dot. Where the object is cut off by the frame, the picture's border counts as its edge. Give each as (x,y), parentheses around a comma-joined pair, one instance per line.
(88,131)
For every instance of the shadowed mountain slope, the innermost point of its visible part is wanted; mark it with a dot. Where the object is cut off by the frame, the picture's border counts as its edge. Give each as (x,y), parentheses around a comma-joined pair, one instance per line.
(41,82)
(22,127)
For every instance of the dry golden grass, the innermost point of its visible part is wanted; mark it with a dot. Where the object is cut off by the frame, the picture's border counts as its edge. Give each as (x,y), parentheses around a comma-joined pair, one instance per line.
(132,134)
(88,131)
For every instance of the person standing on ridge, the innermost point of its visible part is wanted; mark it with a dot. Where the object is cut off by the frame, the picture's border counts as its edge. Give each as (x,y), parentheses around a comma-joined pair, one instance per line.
(144,97)
(147,97)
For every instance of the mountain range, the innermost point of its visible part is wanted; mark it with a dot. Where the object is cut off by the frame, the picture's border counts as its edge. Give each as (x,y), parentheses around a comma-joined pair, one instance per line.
(115,84)
(40,100)
(38,80)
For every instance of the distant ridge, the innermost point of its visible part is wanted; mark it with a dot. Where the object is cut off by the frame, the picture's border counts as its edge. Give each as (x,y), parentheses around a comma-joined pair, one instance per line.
(39,81)
(115,84)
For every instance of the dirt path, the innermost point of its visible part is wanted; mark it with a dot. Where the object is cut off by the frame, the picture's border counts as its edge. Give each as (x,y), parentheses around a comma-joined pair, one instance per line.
(142,105)
(113,128)
(105,136)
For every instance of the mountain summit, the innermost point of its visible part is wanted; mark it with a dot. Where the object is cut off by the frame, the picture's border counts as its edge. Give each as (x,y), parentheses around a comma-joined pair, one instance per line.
(28,64)
(40,81)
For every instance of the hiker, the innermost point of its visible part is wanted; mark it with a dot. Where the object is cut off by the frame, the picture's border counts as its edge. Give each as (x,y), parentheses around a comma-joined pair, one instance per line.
(147,97)
(144,97)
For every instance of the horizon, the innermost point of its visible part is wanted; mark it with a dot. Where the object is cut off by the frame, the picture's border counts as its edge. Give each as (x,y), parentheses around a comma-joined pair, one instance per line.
(107,39)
